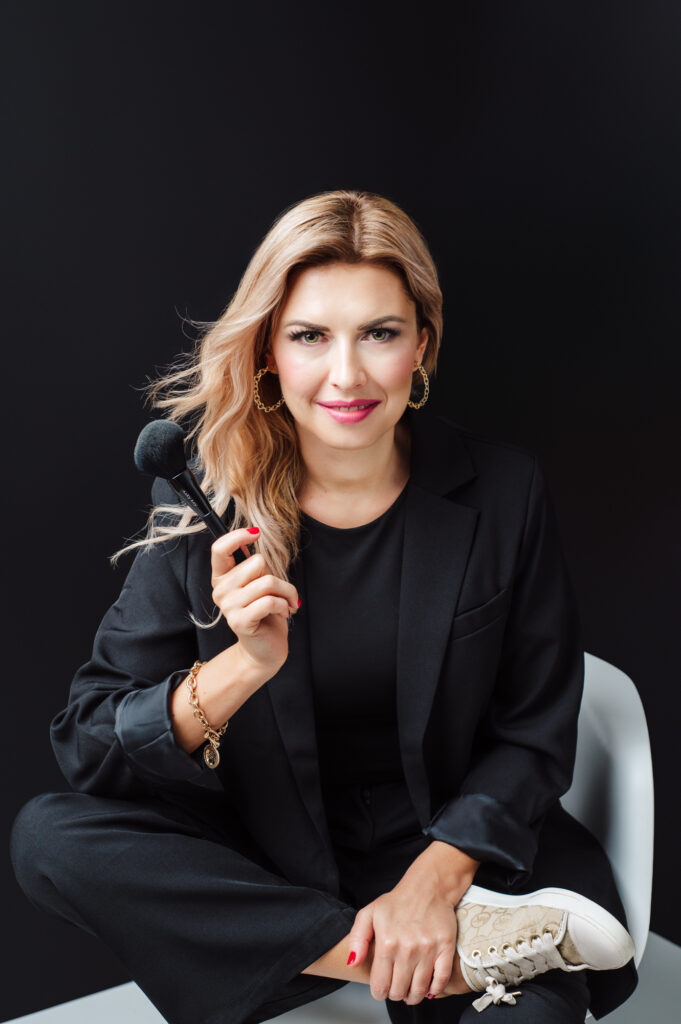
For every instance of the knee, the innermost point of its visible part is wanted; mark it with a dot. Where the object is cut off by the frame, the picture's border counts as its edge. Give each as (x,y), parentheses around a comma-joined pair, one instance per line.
(32,839)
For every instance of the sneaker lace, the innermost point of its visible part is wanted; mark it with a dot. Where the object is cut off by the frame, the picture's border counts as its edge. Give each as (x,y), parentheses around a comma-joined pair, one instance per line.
(514,965)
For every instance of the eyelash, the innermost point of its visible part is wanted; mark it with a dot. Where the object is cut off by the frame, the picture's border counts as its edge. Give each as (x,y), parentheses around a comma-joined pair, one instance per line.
(296,335)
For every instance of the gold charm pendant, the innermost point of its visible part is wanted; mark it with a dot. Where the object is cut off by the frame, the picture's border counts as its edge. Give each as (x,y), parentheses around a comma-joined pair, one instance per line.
(211,756)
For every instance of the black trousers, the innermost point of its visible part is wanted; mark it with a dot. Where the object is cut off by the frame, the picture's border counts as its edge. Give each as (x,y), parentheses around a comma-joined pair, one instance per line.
(205,925)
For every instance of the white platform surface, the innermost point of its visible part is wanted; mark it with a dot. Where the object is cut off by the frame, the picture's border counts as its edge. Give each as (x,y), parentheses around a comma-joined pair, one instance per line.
(657,1000)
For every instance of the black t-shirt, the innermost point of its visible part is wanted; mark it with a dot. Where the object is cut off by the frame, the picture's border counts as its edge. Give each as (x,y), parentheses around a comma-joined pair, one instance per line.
(352,582)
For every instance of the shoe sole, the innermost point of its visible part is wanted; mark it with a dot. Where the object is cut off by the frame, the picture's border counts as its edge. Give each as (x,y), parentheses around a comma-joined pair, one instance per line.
(564,899)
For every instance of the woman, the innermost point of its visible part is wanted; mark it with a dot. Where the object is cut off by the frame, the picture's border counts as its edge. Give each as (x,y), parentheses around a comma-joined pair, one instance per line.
(301,791)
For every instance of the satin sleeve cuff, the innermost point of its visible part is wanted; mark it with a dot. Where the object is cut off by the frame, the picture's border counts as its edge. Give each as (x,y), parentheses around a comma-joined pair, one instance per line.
(485,829)
(143,728)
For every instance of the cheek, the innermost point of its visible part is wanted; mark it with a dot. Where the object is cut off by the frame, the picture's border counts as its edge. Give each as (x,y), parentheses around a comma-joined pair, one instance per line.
(297,373)
(399,372)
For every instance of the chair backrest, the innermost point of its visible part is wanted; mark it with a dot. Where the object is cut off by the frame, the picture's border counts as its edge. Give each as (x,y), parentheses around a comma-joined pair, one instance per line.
(612,787)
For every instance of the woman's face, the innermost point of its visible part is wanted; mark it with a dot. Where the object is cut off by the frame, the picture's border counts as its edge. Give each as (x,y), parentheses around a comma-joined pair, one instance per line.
(347,334)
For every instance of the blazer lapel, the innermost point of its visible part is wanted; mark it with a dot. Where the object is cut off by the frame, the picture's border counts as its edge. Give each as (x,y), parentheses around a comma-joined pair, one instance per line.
(437,538)
(290,692)
(433,564)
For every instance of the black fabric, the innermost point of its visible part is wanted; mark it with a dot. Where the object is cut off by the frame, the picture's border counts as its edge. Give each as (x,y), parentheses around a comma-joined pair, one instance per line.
(352,577)
(352,580)
(488,670)
(208,929)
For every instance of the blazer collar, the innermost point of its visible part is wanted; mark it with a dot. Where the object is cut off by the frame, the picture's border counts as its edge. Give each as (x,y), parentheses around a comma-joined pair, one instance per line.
(433,566)
(440,461)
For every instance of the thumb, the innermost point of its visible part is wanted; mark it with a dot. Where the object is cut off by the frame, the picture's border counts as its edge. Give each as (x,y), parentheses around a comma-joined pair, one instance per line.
(360,938)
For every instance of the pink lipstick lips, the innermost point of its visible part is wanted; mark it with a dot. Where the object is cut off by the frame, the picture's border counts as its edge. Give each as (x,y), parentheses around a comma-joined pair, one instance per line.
(343,415)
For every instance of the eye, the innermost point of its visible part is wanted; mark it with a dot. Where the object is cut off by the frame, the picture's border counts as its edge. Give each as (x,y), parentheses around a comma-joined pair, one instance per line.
(387,331)
(304,336)
(298,335)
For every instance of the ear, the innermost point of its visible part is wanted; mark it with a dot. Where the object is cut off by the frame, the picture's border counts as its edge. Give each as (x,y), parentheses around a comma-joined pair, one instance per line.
(270,363)
(422,344)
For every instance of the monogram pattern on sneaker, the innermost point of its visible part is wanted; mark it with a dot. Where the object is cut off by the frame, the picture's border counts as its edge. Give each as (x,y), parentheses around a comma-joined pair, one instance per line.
(481,926)
(498,946)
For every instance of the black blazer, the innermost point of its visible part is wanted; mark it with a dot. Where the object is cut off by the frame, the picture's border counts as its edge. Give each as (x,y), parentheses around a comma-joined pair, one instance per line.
(489,682)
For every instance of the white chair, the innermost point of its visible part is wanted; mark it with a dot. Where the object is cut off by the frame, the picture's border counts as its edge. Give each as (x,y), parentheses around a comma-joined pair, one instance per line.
(612,787)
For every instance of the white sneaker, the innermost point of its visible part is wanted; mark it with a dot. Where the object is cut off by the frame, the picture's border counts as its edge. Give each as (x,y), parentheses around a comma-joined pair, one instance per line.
(503,940)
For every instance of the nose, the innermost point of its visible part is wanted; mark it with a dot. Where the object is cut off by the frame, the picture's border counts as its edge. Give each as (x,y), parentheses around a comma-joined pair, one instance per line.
(346,371)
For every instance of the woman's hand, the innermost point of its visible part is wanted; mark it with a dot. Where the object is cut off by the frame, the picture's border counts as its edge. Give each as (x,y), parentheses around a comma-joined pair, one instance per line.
(414,928)
(256,604)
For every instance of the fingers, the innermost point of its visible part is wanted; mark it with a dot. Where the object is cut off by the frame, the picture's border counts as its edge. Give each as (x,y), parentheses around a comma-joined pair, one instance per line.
(360,938)
(413,977)
(384,970)
(242,586)
(222,550)
(435,985)
(421,978)
(411,970)
(225,570)
(245,618)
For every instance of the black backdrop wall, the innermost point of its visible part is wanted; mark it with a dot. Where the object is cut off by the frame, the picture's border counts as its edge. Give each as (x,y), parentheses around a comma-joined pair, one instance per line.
(148,147)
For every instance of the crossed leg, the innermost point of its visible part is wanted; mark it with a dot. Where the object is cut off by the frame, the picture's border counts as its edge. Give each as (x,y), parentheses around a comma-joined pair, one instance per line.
(209,933)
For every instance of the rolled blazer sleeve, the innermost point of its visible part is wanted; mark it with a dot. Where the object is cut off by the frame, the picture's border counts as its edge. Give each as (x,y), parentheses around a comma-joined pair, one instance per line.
(115,736)
(524,750)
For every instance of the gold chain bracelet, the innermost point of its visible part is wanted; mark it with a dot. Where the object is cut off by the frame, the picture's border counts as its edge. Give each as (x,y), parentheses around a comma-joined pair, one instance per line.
(211,754)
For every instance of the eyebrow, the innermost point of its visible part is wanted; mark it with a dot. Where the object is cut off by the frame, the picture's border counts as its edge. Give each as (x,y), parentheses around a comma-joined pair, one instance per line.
(362,327)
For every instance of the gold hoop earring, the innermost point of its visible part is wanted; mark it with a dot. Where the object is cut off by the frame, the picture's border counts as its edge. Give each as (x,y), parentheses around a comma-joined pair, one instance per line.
(417,405)
(256,393)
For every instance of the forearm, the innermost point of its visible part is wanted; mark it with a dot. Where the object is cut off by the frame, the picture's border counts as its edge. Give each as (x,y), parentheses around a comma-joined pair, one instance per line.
(223,684)
(446,867)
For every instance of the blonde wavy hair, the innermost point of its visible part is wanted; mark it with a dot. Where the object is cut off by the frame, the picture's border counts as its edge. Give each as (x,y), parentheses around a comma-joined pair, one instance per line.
(244,454)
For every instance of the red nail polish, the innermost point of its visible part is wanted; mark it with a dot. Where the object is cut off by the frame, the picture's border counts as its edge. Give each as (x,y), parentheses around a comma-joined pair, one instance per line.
(351,959)
(430,996)
(253,529)
(299,602)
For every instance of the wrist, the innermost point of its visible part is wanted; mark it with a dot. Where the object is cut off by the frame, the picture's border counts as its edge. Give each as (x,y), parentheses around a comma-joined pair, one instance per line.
(251,674)
(223,685)
(447,868)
